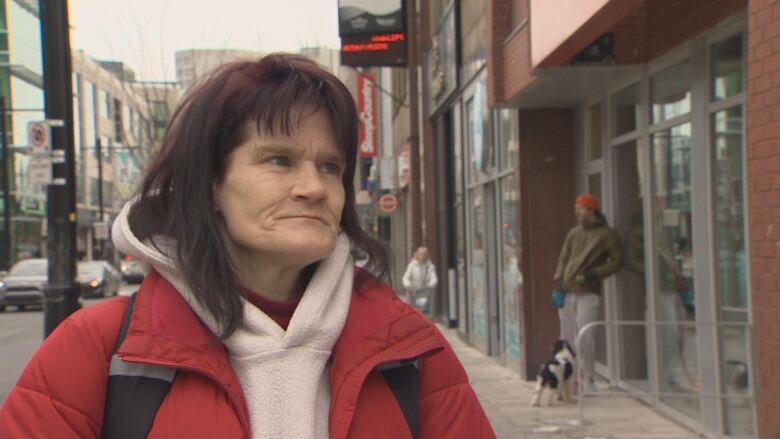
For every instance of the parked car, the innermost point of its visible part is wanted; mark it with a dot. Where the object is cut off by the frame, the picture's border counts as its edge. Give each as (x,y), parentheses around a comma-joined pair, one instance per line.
(98,279)
(132,271)
(24,284)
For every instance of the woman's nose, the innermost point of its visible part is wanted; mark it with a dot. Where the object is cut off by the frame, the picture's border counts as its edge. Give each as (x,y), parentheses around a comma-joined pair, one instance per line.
(308,183)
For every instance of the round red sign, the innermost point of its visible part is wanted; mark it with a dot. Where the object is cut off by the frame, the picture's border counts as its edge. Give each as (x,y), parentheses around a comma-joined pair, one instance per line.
(388,203)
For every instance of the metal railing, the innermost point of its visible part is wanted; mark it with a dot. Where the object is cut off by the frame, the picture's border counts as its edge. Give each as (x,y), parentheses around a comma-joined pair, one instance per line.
(581,393)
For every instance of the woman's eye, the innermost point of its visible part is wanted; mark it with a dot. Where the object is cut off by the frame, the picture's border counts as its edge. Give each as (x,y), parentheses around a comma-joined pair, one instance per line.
(280,160)
(331,168)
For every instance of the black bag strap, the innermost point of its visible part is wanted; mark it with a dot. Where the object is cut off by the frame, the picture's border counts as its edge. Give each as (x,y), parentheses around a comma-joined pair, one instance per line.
(402,377)
(135,391)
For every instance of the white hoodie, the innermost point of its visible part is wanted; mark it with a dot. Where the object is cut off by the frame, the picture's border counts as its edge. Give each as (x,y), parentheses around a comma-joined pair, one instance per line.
(283,374)
(420,275)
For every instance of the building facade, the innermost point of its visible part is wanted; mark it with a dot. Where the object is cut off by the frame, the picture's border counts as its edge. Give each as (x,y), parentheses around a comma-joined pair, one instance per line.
(21,88)
(119,123)
(666,110)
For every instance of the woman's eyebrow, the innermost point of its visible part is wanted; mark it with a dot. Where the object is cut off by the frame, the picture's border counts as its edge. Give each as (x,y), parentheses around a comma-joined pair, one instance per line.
(274,148)
(334,157)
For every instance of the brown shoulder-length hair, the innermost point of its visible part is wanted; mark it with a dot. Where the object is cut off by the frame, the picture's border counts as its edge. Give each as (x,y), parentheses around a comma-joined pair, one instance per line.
(176,198)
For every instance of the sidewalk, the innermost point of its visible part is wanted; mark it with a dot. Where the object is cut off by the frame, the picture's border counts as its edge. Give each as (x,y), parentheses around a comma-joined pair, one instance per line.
(505,397)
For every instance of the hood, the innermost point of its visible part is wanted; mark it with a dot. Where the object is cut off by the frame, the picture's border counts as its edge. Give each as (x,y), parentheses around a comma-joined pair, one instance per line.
(125,241)
(329,273)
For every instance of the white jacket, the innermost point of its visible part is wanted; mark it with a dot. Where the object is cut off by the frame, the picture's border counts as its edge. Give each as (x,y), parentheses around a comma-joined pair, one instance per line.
(420,275)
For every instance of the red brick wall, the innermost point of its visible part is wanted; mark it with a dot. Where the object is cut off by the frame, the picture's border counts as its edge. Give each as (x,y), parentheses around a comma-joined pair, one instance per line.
(547,191)
(509,64)
(763,139)
(631,37)
(672,22)
(499,23)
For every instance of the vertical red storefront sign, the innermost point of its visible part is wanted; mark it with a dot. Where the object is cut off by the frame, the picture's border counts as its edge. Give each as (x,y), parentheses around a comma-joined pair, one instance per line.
(367,138)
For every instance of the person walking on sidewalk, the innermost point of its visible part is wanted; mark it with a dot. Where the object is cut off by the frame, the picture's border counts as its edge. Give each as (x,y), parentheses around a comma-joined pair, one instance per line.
(254,304)
(591,252)
(420,279)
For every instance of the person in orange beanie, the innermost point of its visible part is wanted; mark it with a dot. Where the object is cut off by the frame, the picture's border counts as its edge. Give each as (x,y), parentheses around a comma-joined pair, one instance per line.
(591,252)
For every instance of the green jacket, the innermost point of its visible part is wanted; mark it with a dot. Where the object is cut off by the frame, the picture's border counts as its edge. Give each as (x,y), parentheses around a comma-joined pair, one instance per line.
(590,247)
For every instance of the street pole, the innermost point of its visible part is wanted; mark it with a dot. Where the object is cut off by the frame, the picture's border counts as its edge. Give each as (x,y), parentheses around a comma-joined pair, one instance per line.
(6,262)
(415,189)
(61,297)
(99,152)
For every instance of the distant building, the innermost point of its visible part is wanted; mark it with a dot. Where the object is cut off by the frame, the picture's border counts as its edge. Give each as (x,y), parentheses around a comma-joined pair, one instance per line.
(163,98)
(124,120)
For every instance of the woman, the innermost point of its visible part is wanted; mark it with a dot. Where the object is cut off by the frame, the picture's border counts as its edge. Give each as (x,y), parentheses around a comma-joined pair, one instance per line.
(246,218)
(419,279)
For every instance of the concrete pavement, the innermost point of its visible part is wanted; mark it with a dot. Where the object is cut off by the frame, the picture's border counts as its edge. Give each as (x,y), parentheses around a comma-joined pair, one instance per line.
(505,397)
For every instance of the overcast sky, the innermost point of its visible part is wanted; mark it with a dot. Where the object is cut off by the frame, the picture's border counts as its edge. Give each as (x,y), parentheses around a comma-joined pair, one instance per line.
(146,33)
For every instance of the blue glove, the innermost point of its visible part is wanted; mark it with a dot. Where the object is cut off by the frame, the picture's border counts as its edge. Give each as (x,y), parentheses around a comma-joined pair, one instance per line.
(558,298)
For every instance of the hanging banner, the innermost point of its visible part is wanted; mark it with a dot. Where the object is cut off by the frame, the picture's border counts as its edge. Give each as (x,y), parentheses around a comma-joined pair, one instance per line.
(368,139)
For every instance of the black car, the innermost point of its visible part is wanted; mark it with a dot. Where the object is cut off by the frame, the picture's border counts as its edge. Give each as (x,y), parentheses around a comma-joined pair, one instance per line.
(24,284)
(98,279)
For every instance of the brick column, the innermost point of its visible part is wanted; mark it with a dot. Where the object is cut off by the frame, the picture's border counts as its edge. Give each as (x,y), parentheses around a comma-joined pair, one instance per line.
(763,152)
(547,192)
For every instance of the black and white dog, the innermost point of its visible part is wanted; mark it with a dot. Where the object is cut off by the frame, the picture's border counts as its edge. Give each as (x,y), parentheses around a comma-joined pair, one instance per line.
(554,375)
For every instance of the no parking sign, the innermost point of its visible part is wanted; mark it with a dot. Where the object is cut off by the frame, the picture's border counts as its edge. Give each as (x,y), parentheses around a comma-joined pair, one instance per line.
(39,139)
(39,135)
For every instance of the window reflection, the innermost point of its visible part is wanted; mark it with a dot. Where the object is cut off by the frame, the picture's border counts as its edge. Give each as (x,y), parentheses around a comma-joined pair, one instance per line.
(731,272)
(673,251)
(626,110)
(727,67)
(670,92)
(478,265)
(509,267)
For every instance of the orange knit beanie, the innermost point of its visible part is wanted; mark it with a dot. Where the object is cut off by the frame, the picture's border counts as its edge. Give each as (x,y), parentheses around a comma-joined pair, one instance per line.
(588,200)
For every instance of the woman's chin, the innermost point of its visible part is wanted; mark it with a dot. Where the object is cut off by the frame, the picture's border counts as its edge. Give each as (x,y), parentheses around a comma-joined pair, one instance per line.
(307,252)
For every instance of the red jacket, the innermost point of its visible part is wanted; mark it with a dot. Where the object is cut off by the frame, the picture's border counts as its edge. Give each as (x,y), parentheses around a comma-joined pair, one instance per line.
(61,392)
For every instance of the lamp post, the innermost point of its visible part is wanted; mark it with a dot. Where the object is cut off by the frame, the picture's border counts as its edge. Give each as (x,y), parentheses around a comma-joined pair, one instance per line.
(61,297)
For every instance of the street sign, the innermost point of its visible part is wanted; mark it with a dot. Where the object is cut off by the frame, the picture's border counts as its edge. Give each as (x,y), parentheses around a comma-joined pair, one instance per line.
(39,136)
(39,171)
(101,230)
(388,203)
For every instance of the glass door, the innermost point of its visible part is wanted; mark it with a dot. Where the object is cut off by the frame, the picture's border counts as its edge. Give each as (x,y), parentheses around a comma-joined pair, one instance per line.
(727,143)
(631,296)
(673,253)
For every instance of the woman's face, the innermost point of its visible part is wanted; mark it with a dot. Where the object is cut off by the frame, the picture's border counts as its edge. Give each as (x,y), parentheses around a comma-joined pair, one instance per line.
(282,196)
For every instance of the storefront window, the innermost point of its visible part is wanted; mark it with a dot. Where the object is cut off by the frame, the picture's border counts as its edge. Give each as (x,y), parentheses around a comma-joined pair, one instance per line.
(480,140)
(509,267)
(675,304)
(670,92)
(507,138)
(594,184)
(728,67)
(626,110)
(595,132)
(478,266)
(731,262)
